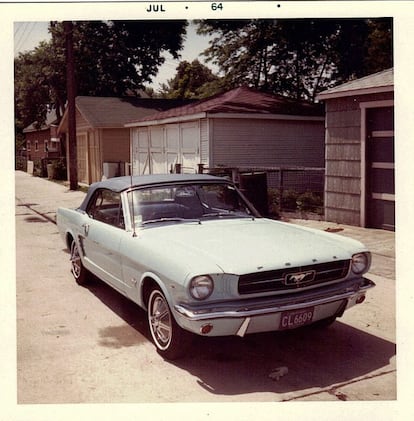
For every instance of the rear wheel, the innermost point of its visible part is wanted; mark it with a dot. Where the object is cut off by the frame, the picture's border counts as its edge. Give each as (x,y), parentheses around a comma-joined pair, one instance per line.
(78,270)
(169,338)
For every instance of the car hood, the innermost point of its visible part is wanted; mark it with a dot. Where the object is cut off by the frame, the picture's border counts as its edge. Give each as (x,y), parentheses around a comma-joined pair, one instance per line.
(241,246)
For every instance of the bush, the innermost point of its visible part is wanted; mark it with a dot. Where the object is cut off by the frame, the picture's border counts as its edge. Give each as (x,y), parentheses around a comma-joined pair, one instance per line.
(20,163)
(289,198)
(273,202)
(293,201)
(38,169)
(60,170)
(310,202)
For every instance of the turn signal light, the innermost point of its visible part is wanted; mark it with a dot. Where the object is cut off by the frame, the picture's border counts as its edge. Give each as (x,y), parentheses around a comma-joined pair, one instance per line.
(206,329)
(360,299)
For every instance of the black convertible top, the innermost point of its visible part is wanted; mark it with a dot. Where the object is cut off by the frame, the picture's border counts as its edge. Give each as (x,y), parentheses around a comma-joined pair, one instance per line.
(119,184)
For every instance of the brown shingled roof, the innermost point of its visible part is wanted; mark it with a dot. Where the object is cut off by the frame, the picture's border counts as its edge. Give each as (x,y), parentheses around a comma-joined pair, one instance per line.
(240,100)
(112,112)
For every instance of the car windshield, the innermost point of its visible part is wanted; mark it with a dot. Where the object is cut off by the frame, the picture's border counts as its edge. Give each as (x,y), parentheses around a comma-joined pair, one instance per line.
(187,202)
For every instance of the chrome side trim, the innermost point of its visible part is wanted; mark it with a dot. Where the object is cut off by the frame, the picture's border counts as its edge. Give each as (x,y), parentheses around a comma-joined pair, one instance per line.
(227,310)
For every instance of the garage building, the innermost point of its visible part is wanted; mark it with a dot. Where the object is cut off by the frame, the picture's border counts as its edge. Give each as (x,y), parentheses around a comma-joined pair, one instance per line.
(359,176)
(239,128)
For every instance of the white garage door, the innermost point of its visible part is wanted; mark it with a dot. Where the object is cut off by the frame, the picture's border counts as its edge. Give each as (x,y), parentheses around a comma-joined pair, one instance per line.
(190,150)
(156,150)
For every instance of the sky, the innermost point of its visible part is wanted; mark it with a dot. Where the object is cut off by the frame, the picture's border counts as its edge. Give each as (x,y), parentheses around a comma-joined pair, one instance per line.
(28,35)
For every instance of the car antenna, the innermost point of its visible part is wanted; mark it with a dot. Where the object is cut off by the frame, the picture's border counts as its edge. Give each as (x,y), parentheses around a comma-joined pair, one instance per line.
(134,233)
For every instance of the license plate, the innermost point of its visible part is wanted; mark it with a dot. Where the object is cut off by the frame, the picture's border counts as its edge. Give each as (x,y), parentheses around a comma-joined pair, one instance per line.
(296,318)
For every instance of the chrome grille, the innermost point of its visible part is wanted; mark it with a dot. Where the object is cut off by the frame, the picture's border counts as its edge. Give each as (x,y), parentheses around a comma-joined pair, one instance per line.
(274,280)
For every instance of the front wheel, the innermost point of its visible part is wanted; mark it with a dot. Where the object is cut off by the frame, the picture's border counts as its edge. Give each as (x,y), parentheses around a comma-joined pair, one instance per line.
(78,270)
(169,338)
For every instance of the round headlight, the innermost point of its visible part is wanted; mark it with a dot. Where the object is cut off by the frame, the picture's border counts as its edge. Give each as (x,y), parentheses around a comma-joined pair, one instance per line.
(360,263)
(201,287)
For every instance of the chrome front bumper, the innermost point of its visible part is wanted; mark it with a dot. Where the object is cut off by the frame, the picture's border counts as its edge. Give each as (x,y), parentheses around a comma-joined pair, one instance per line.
(348,290)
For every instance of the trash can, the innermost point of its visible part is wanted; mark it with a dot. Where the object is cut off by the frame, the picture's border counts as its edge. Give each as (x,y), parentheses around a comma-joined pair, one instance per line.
(51,171)
(254,187)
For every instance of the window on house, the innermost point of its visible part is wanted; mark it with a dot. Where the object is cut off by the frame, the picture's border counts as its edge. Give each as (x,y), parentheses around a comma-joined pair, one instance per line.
(28,145)
(53,145)
(36,145)
(46,146)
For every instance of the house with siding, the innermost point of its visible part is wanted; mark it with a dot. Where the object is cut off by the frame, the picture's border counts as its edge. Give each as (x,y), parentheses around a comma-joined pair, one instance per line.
(103,146)
(239,128)
(43,141)
(359,176)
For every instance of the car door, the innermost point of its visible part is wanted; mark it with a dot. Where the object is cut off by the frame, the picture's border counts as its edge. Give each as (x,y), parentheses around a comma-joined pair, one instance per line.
(102,236)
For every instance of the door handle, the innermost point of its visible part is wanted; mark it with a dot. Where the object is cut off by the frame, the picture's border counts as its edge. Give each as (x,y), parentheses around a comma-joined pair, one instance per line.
(85,228)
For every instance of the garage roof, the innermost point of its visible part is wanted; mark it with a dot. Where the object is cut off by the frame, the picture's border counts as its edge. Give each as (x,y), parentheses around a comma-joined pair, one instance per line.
(375,83)
(114,112)
(241,100)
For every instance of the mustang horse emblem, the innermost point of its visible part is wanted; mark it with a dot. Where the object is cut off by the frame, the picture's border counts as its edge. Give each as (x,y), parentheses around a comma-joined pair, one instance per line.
(299,278)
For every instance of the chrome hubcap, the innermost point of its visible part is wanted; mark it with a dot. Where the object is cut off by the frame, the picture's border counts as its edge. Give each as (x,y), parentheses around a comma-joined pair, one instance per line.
(75,260)
(160,320)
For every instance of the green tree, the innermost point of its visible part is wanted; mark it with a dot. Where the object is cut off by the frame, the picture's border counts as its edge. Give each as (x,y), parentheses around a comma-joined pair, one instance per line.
(112,58)
(192,80)
(379,46)
(297,57)
(39,85)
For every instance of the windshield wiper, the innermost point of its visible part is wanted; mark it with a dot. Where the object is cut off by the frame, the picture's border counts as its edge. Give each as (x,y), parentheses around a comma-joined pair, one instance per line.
(173,219)
(230,214)
(212,214)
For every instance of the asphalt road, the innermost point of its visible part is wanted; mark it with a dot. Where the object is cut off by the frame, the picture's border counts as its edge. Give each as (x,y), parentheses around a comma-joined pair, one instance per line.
(91,345)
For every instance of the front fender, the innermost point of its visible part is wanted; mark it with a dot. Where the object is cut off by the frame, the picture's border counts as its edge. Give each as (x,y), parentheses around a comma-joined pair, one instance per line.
(148,281)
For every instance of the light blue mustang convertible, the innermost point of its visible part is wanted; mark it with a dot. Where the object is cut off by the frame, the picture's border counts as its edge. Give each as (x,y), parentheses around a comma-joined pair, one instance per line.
(195,254)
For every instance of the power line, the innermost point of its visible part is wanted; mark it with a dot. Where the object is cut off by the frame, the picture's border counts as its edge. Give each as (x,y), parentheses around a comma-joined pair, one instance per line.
(19,27)
(17,42)
(28,28)
(32,31)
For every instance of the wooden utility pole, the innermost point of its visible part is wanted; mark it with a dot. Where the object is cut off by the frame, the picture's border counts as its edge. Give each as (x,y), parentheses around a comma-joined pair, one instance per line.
(70,87)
